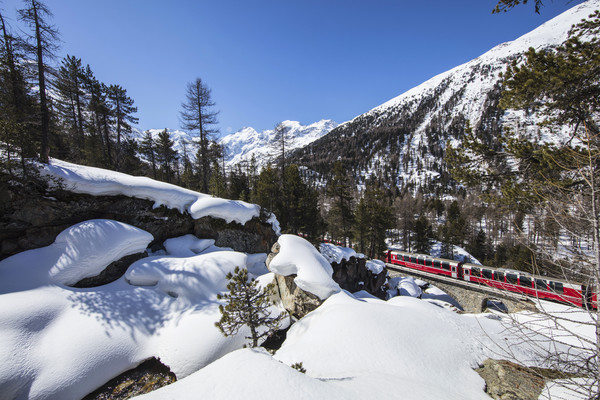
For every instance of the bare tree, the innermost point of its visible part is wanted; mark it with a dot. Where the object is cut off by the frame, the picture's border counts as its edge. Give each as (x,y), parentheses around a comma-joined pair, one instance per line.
(198,117)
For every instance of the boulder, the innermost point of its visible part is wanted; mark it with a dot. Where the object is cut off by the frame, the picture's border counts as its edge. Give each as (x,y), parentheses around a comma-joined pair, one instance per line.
(33,217)
(506,380)
(353,275)
(146,377)
(296,301)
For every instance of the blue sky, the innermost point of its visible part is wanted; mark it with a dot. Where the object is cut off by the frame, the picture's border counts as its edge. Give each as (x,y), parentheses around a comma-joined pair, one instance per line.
(268,61)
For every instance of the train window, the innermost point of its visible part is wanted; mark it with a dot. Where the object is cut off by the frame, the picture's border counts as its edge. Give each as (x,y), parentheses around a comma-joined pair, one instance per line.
(406,257)
(413,259)
(499,276)
(512,278)
(475,271)
(446,265)
(421,260)
(437,264)
(486,273)
(541,284)
(556,287)
(525,281)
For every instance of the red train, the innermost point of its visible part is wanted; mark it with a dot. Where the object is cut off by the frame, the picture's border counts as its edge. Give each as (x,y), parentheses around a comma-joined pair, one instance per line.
(514,281)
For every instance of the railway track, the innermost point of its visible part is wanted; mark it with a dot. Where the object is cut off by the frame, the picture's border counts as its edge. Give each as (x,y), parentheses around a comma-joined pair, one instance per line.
(487,290)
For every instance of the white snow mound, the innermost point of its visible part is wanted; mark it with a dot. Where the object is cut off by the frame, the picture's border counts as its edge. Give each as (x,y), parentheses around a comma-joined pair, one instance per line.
(298,257)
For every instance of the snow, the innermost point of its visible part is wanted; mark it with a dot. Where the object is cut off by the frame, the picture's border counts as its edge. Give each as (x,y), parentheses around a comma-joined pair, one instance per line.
(403,286)
(375,266)
(247,142)
(335,254)
(313,272)
(59,342)
(361,347)
(73,256)
(463,90)
(102,182)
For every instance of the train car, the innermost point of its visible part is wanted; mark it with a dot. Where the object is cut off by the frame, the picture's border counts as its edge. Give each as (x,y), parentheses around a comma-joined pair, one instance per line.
(425,263)
(531,285)
(515,281)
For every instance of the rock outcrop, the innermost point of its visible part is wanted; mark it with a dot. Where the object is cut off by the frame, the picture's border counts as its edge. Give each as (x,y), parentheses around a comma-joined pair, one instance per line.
(353,275)
(506,380)
(31,218)
(296,301)
(146,377)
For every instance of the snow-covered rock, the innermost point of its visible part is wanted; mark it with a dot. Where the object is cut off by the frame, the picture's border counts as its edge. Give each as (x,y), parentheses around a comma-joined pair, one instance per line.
(102,182)
(300,258)
(73,256)
(58,342)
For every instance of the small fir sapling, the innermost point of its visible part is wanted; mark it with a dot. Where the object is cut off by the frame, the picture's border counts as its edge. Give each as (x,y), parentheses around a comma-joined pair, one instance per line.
(247,304)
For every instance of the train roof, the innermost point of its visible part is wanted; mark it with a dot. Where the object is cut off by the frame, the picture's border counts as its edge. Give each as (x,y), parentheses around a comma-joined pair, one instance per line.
(523,273)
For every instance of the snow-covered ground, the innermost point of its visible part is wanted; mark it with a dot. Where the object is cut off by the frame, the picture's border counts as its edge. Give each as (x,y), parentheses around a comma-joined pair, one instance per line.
(59,342)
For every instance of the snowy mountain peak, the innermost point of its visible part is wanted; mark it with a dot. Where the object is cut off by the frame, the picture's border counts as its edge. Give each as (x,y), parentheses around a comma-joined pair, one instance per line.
(243,144)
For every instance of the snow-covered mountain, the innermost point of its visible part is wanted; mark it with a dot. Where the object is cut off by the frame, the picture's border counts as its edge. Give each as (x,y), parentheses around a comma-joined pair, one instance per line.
(404,139)
(243,144)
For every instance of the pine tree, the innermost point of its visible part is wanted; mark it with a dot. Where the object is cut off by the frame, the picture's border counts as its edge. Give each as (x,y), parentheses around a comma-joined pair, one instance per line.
(217,184)
(266,191)
(166,156)
(341,217)
(373,218)
(148,150)
(247,305)
(121,108)
(17,137)
(422,237)
(72,102)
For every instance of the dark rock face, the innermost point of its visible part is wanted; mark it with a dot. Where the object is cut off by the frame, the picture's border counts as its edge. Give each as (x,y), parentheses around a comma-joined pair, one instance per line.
(111,273)
(146,377)
(30,220)
(352,275)
(509,381)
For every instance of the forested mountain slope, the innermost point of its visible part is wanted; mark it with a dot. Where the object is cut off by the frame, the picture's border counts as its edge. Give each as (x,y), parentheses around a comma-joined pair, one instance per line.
(404,139)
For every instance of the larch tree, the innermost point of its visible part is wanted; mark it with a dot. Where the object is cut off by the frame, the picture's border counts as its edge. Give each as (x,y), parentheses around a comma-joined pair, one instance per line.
(16,102)
(247,304)
(199,117)
(43,44)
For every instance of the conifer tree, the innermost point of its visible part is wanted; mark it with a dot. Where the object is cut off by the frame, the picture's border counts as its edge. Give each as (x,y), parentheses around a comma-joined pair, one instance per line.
(148,150)
(72,102)
(373,218)
(44,39)
(247,304)
(340,217)
(423,235)
(266,192)
(16,103)
(122,109)
(166,155)
(217,185)
(199,117)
